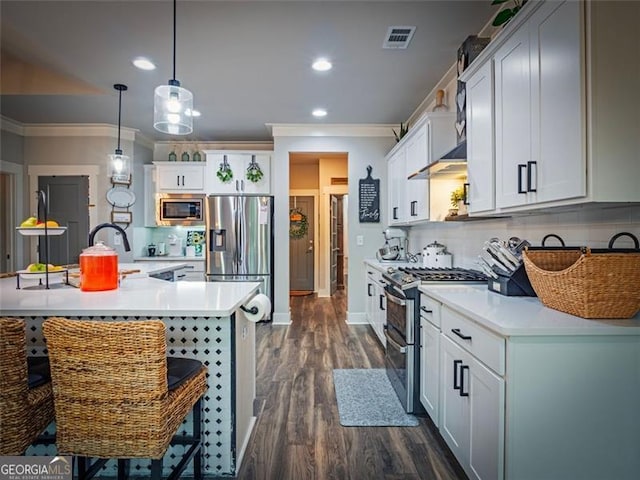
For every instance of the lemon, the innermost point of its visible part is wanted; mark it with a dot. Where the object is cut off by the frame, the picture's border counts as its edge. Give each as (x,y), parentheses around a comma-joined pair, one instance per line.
(29,222)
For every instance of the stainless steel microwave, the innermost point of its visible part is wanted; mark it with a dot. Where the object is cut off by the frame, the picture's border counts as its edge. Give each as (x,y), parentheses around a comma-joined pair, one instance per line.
(180,209)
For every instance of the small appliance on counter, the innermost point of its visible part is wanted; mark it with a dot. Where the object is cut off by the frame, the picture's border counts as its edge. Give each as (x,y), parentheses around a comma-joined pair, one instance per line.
(175,246)
(435,255)
(151,250)
(161,249)
(395,246)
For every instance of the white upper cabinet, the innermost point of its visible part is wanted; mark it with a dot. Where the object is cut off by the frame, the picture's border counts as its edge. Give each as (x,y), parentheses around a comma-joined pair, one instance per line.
(539,109)
(397,181)
(427,140)
(240,180)
(417,191)
(179,177)
(565,108)
(480,148)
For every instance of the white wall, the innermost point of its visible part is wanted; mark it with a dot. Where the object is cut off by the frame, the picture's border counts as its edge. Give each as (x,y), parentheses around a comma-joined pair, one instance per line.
(591,226)
(361,151)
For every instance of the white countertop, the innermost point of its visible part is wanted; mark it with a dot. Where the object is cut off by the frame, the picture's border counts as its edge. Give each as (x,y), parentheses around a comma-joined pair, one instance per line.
(142,296)
(520,316)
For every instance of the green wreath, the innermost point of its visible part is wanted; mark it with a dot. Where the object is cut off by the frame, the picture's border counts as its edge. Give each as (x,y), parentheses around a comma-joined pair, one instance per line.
(298,224)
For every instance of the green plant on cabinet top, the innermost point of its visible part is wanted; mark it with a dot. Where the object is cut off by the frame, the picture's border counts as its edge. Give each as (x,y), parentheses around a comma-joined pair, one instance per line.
(506,14)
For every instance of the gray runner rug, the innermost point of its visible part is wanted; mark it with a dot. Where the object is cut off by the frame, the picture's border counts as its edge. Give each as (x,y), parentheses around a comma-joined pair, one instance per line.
(367,399)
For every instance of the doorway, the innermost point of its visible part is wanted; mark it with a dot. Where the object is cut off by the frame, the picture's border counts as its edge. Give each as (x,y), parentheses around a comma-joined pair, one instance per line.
(301,245)
(337,238)
(67,198)
(5,222)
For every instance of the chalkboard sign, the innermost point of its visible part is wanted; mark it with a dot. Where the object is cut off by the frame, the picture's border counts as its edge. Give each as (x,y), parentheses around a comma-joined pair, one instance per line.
(369,198)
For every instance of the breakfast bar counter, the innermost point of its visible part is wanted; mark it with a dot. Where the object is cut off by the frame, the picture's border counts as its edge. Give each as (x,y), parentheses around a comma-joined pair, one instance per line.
(203,321)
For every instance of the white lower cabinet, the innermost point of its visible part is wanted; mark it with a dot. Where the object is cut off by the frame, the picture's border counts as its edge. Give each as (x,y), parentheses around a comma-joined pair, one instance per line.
(472,412)
(532,405)
(430,357)
(430,369)
(376,304)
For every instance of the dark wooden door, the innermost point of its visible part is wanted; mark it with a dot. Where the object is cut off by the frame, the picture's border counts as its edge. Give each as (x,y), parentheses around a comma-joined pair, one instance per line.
(67,199)
(301,250)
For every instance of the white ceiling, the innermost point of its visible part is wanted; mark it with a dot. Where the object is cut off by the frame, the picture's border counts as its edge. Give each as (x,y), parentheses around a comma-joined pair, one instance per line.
(247,63)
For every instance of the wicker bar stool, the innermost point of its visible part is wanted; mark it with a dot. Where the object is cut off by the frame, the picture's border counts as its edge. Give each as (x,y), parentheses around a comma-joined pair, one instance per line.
(118,396)
(26,397)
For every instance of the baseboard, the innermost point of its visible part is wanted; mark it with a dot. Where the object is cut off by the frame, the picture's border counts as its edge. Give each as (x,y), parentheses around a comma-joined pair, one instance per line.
(281,318)
(245,443)
(357,318)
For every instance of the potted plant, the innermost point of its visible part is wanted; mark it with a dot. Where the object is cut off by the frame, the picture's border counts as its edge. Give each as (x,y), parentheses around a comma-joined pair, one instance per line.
(402,132)
(457,201)
(507,14)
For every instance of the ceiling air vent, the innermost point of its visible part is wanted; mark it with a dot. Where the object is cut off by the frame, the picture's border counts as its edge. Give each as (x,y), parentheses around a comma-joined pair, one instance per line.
(398,37)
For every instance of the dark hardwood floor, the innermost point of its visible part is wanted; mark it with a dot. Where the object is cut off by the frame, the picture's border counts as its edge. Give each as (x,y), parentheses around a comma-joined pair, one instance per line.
(298,433)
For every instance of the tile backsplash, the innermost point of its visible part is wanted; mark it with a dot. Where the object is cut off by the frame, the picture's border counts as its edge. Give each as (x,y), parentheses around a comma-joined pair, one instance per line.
(143,236)
(592,227)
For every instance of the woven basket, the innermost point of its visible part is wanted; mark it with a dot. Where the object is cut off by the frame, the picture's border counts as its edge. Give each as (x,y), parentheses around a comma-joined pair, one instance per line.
(586,284)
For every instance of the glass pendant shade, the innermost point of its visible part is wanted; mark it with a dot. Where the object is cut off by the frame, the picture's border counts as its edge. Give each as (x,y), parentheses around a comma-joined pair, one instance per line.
(120,167)
(172,106)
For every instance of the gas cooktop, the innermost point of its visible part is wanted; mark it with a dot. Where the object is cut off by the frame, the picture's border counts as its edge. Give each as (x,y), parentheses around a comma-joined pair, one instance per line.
(444,274)
(409,277)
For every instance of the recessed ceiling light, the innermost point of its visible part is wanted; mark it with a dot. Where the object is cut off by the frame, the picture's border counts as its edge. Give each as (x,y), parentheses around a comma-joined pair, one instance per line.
(321,65)
(144,63)
(192,113)
(319,112)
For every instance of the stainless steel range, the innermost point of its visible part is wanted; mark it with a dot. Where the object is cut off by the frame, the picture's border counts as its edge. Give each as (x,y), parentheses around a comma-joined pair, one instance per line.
(402,357)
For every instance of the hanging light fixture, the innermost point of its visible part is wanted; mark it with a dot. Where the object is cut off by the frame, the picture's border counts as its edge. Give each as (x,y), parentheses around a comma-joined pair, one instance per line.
(119,166)
(172,104)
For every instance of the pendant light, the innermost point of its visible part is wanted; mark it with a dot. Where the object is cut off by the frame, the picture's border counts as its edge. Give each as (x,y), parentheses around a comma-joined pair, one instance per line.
(119,167)
(172,104)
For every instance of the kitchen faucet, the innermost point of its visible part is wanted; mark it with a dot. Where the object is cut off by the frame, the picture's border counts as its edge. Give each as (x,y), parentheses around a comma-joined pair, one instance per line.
(93,232)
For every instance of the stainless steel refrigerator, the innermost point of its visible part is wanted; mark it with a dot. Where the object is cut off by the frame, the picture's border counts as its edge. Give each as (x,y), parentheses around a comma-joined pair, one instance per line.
(240,240)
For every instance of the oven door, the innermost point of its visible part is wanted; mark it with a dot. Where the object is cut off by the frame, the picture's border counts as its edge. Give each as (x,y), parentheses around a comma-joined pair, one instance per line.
(399,367)
(399,313)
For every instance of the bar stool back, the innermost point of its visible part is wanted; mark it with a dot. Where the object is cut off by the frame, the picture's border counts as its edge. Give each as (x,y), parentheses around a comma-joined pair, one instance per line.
(112,393)
(26,398)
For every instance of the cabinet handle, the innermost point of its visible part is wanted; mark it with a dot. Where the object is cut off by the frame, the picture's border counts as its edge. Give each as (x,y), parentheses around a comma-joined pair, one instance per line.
(456,331)
(369,290)
(521,166)
(395,213)
(530,166)
(380,300)
(455,374)
(178,180)
(424,309)
(236,185)
(242,185)
(465,193)
(462,369)
(414,204)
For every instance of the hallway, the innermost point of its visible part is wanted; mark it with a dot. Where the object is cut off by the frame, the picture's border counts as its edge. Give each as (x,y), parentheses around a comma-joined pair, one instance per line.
(298,434)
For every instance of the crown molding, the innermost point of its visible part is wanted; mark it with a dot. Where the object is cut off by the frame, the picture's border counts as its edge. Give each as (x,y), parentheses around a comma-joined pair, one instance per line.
(331,130)
(78,130)
(220,145)
(9,125)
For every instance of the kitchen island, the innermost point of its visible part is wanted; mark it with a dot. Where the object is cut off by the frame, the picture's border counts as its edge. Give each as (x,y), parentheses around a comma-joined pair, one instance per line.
(203,320)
